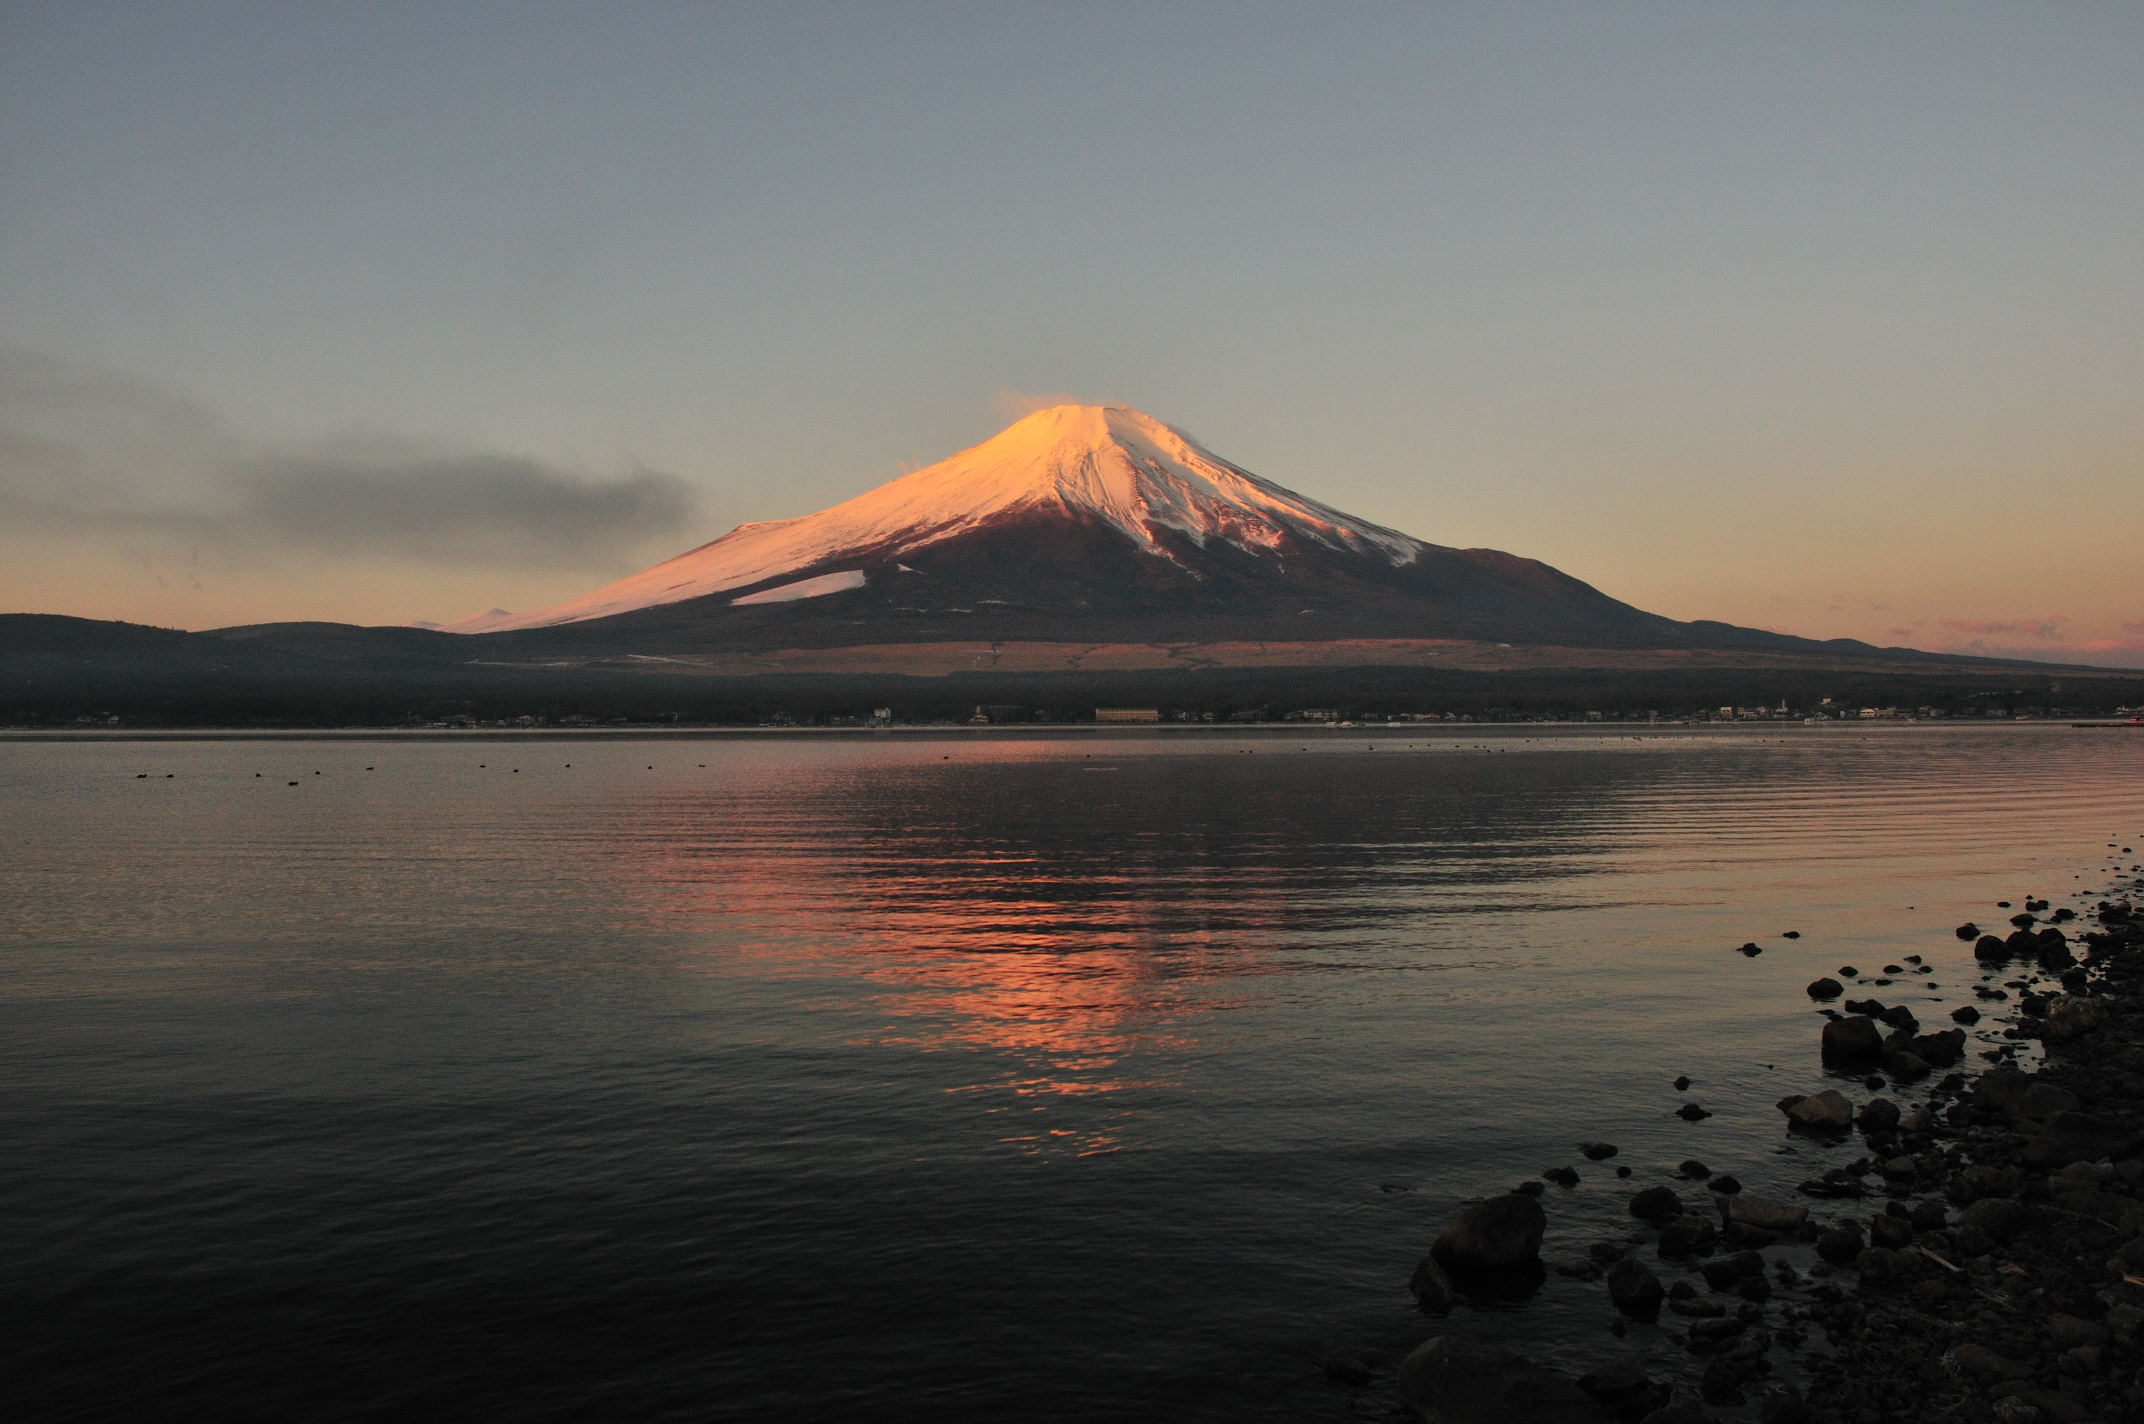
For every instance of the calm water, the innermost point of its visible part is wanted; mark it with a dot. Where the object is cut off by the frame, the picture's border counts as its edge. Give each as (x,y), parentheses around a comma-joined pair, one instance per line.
(1057,1078)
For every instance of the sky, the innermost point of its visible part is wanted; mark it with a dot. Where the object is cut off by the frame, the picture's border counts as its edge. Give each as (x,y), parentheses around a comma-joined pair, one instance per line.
(1824,318)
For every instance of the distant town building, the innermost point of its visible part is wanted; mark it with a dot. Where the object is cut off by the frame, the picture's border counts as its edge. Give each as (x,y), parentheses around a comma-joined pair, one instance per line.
(1127,714)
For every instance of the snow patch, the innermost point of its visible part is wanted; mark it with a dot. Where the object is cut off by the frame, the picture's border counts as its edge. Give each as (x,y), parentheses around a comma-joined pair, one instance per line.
(804,588)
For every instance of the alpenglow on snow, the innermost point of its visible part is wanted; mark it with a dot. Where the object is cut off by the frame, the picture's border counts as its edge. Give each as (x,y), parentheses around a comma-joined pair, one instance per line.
(1111,464)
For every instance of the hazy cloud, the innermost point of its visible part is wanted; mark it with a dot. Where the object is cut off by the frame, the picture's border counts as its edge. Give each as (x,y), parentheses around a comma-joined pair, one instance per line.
(2016,628)
(1016,403)
(91,453)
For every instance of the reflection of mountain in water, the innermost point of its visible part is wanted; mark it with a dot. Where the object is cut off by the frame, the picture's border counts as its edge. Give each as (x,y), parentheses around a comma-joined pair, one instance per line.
(1078,920)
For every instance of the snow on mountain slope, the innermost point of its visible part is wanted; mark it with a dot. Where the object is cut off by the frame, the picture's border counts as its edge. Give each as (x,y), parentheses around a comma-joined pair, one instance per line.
(1110,463)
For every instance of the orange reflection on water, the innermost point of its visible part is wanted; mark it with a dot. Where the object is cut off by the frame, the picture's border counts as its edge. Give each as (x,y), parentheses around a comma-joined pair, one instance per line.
(1065,990)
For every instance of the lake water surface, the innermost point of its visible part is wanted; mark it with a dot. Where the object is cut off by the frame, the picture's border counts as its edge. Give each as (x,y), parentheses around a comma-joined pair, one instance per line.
(1051,1077)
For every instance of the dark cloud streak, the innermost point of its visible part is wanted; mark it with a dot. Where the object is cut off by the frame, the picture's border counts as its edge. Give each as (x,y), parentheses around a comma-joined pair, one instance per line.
(89,454)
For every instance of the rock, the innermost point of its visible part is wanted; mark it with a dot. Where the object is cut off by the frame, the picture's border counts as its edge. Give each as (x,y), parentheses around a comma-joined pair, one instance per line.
(2076,1330)
(1847,971)
(1634,1289)
(1853,1041)
(1990,950)
(2000,1217)
(1500,1234)
(1905,1065)
(1432,1289)
(2072,1017)
(1616,1381)
(1691,1112)
(1682,1085)
(1940,1049)
(1725,1185)
(2040,1101)
(1562,1176)
(1687,1236)
(1892,1233)
(1825,988)
(1878,1115)
(1982,1363)
(1783,1405)
(1751,949)
(2074,1137)
(1722,1273)
(1450,1380)
(1656,1204)
(1597,1151)
(1966,1015)
(1841,1243)
(1968,931)
(1693,1170)
(1828,1111)
(1782,1217)
(1348,1369)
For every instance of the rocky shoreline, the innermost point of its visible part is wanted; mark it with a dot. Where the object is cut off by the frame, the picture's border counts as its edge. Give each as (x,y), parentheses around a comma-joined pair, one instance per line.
(1980,1257)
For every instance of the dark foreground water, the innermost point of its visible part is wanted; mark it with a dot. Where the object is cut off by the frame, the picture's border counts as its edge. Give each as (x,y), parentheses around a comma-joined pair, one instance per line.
(967,1078)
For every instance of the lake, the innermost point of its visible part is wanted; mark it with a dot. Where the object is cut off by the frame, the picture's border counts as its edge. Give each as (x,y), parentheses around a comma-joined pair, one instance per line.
(1053,1076)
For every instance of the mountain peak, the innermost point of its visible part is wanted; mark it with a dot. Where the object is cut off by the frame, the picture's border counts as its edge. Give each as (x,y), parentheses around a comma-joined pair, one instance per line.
(1106,464)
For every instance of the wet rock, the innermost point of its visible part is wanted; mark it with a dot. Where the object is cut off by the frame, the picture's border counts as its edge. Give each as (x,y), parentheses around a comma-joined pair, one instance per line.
(1724,1184)
(1529,1189)
(1682,1084)
(1693,1170)
(1968,931)
(1828,1111)
(1432,1289)
(1616,1382)
(1878,1115)
(1940,1049)
(1687,1236)
(1990,950)
(1500,1234)
(1852,1041)
(1782,1217)
(1847,971)
(1825,988)
(1966,1015)
(1841,1243)
(1450,1380)
(1750,949)
(1691,1112)
(1905,1065)
(1634,1289)
(1562,1176)
(1724,1272)
(1597,1151)
(1892,1233)
(1656,1204)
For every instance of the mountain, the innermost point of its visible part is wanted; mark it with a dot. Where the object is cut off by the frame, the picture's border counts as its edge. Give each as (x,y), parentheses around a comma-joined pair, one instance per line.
(1089,524)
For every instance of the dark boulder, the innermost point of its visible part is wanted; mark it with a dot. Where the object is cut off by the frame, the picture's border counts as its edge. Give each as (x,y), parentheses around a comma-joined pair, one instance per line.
(1656,1204)
(1878,1115)
(2000,1217)
(1634,1289)
(2075,1137)
(1500,1234)
(1990,950)
(1687,1236)
(1826,988)
(1852,1042)
(1450,1380)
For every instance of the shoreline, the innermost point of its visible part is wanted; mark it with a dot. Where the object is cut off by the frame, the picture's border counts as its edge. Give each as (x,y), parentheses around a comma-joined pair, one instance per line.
(1975,1255)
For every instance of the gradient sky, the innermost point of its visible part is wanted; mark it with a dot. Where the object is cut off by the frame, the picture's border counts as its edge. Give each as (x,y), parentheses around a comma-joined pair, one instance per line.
(1825,318)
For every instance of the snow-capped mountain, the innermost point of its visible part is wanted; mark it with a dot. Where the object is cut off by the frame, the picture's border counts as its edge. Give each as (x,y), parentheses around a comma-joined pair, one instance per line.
(1110,464)
(1078,524)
